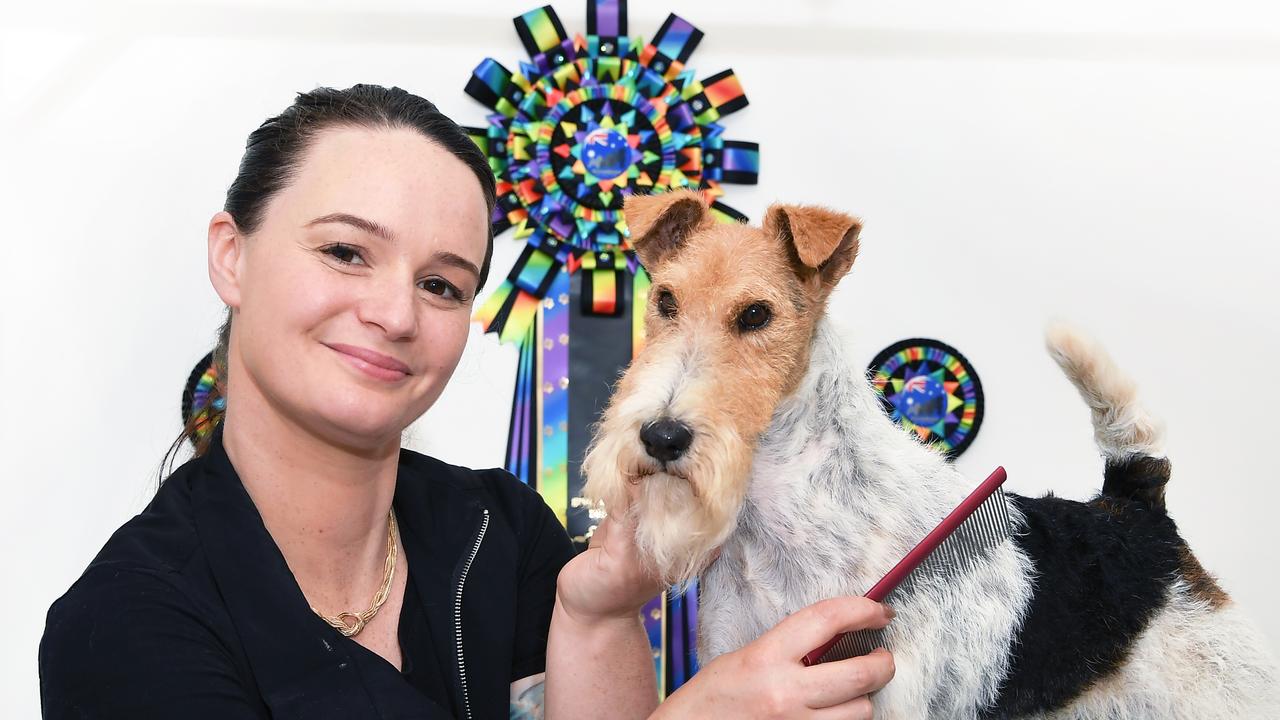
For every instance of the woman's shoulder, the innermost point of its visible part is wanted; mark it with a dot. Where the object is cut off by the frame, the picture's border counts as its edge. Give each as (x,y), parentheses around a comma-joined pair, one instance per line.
(141,629)
(129,639)
(162,538)
(133,599)
(115,595)
(143,561)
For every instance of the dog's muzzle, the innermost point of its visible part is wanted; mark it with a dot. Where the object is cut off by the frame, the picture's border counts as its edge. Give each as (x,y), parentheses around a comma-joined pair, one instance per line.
(666,439)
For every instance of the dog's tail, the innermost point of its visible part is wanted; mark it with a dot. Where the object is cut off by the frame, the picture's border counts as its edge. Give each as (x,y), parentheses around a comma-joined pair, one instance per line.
(1131,440)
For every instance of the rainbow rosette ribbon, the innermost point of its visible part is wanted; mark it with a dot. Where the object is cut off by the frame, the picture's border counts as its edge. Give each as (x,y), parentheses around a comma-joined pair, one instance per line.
(582,124)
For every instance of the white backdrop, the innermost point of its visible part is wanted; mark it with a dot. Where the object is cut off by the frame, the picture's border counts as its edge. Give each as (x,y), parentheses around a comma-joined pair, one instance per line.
(1111,163)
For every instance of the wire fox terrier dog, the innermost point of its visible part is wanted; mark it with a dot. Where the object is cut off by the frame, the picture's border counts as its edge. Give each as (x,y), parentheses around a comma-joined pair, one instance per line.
(743,427)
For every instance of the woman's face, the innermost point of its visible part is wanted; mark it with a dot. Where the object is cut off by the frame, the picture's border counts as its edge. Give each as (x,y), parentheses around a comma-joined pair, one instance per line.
(355,293)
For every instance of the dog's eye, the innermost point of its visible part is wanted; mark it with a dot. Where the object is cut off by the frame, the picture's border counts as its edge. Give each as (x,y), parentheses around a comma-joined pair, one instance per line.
(666,304)
(756,316)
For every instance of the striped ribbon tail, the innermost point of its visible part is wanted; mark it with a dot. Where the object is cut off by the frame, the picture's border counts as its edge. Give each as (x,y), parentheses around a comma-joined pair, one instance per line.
(715,97)
(496,87)
(545,39)
(522,439)
(639,303)
(725,214)
(731,161)
(681,641)
(602,283)
(512,308)
(671,47)
(607,18)
(553,419)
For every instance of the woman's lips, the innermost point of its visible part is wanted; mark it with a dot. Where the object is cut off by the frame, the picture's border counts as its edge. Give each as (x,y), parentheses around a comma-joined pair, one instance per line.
(372,363)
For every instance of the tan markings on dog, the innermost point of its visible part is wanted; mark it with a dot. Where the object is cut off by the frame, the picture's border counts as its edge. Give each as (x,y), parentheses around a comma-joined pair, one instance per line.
(1200,582)
(824,242)
(710,363)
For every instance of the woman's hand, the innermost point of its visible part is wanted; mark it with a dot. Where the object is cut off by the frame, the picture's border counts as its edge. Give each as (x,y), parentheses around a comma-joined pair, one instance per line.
(608,581)
(598,659)
(766,679)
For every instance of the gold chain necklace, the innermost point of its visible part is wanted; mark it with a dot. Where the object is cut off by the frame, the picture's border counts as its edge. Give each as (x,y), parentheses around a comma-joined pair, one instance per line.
(349,623)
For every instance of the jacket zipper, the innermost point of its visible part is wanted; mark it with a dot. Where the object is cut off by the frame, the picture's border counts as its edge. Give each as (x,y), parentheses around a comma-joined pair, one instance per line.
(457,614)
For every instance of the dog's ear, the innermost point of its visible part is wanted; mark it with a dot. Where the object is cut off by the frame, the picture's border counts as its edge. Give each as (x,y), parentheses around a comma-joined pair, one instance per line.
(821,243)
(660,223)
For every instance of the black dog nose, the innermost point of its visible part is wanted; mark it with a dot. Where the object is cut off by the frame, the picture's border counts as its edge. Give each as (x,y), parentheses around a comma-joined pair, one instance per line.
(666,439)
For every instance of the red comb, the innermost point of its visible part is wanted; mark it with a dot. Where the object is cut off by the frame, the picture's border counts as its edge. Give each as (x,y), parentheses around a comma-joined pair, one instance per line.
(922,550)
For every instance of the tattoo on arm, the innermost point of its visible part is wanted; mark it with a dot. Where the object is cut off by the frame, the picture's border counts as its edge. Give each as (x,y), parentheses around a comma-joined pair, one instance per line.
(527,697)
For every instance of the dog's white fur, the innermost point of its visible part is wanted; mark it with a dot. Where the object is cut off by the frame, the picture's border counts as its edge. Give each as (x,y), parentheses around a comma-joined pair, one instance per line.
(1165,676)
(838,493)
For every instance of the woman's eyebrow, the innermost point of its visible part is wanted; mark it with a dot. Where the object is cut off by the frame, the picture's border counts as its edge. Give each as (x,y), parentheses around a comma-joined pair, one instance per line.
(373,228)
(458,261)
(357,222)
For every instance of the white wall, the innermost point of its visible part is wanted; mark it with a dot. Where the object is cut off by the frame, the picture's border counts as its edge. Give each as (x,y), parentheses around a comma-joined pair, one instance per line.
(1111,163)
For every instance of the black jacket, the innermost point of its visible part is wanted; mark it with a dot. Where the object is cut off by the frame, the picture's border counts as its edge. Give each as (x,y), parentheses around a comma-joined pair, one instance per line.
(190,611)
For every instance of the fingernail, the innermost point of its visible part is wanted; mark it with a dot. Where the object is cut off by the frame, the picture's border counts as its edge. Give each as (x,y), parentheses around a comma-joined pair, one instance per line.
(889,611)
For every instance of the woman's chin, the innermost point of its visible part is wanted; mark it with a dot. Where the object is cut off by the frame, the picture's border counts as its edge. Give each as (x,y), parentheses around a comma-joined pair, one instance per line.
(362,428)
(354,413)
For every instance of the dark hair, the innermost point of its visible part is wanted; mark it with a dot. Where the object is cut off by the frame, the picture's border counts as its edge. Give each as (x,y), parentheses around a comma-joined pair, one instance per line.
(273,155)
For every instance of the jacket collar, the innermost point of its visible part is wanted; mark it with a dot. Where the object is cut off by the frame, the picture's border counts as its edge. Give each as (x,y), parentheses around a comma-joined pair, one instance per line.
(296,657)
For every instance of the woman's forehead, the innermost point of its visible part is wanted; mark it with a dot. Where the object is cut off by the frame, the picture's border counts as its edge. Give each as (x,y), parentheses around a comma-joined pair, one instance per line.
(395,178)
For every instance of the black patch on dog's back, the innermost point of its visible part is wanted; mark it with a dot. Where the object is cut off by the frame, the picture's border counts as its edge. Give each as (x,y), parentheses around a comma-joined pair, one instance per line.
(1102,570)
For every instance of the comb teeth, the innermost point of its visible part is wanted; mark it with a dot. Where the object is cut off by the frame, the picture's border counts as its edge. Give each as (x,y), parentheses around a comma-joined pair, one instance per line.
(961,552)
(855,644)
(965,548)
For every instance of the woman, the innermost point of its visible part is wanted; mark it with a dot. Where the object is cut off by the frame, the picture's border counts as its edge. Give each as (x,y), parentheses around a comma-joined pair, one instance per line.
(303,564)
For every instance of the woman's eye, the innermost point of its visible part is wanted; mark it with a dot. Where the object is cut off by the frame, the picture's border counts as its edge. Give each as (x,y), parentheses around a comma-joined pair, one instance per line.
(344,254)
(666,304)
(436,286)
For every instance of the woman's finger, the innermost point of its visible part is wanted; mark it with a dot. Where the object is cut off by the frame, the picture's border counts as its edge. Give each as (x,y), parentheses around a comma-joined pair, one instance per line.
(836,683)
(616,539)
(615,556)
(809,627)
(600,535)
(859,708)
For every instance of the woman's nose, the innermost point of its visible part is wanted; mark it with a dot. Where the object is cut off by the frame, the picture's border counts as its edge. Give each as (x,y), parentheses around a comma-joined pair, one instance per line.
(392,306)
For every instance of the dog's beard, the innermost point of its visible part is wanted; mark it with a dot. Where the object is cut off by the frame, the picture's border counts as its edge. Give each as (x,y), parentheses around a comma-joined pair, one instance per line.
(682,513)
(675,531)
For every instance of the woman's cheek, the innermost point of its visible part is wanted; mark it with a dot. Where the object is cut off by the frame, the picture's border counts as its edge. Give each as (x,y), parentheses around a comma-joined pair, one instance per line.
(444,338)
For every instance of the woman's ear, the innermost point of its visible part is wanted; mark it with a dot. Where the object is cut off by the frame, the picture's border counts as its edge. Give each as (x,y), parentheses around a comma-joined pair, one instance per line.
(226,248)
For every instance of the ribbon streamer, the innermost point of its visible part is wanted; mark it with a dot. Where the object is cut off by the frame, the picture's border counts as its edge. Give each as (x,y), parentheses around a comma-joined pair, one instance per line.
(583,123)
